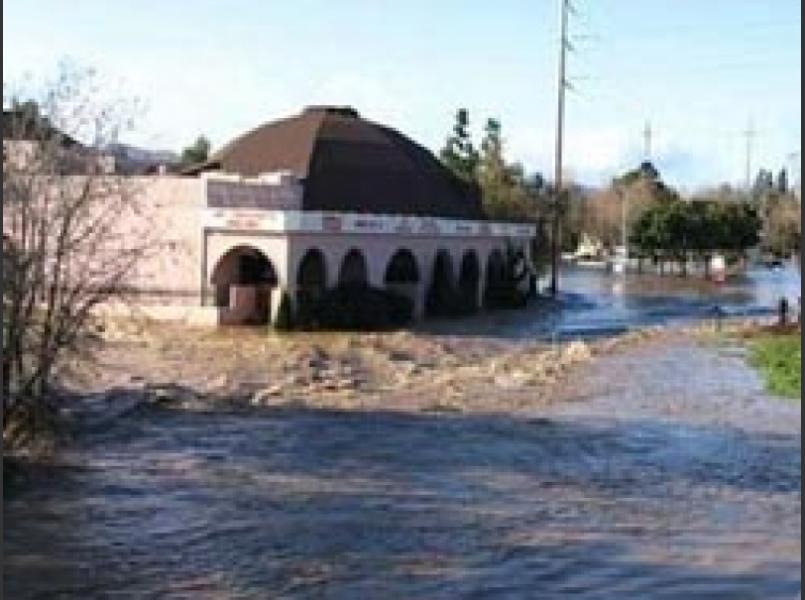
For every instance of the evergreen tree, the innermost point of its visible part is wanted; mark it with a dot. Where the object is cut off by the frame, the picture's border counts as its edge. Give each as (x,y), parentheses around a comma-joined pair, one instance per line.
(507,192)
(492,168)
(764,184)
(782,181)
(459,154)
(196,153)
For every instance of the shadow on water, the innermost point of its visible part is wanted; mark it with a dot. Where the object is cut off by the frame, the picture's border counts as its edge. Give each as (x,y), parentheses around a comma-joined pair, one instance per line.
(306,503)
(312,503)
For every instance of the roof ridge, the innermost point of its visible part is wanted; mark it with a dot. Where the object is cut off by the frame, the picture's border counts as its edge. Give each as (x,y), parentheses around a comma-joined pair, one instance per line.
(314,139)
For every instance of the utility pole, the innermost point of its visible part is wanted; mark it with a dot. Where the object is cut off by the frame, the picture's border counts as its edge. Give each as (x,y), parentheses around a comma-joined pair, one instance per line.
(560,127)
(647,141)
(750,134)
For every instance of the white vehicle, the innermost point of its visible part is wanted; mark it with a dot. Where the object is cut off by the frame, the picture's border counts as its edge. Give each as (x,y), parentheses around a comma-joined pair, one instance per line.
(718,268)
(620,259)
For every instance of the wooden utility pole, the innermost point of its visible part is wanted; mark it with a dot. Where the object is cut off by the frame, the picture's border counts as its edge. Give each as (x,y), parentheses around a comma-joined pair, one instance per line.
(560,126)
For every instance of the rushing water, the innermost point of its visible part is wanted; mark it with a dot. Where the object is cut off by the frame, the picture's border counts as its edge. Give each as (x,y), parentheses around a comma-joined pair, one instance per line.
(676,478)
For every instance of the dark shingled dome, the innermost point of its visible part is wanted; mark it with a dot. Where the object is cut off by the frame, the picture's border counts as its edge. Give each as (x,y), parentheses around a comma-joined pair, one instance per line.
(350,164)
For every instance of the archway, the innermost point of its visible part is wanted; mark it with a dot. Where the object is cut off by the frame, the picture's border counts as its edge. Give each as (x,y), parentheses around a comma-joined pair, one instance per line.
(311,283)
(243,278)
(353,269)
(468,280)
(402,274)
(441,298)
(495,278)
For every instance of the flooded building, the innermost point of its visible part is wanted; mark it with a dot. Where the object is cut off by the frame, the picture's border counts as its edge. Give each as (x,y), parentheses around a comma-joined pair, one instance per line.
(300,205)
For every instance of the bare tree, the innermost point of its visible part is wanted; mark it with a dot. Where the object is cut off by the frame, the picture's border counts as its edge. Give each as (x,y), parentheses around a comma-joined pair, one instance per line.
(73,232)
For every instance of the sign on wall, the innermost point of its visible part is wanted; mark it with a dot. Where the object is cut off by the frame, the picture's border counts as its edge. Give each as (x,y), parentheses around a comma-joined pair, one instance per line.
(240,219)
(236,194)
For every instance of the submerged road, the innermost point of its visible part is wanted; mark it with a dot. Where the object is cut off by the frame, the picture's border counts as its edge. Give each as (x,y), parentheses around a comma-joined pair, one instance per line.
(596,303)
(665,472)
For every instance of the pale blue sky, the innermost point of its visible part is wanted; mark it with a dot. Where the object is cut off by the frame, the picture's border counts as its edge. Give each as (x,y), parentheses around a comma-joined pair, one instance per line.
(698,69)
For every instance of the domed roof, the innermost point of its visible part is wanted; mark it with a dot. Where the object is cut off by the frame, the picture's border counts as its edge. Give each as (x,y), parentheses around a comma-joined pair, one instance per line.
(350,164)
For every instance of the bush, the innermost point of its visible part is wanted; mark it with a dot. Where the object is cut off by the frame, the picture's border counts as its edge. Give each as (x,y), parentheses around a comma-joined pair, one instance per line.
(361,307)
(443,300)
(504,292)
(284,320)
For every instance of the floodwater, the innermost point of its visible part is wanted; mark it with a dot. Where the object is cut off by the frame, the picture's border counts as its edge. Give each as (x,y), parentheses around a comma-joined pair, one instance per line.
(594,303)
(672,475)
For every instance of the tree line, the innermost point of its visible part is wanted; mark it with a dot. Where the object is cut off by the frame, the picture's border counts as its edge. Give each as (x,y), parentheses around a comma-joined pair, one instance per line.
(508,193)
(679,231)
(637,206)
(780,209)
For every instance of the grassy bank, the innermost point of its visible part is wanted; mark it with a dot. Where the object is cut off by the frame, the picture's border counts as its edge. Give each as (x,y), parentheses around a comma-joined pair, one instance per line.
(779,358)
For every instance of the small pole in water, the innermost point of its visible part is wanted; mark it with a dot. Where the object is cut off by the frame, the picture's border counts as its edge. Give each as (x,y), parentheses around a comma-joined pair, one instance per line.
(783,312)
(719,315)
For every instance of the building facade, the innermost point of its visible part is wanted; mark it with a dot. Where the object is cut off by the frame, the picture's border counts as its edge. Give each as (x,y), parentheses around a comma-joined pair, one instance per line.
(301,205)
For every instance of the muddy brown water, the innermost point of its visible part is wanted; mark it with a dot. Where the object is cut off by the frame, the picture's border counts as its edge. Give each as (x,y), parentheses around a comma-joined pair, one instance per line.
(666,472)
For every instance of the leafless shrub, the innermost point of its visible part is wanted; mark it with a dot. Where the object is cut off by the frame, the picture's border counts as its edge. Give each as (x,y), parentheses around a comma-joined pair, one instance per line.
(73,231)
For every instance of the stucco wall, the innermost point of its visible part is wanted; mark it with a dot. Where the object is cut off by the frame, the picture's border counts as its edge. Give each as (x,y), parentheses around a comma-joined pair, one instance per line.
(184,241)
(178,273)
(172,206)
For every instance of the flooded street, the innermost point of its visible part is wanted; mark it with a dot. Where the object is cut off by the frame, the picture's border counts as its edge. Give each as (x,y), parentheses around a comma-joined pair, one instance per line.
(596,303)
(661,471)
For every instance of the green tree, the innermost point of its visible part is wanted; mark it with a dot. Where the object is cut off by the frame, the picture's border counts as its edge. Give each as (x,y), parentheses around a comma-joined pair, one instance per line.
(764,184)
(492,162)
(459,154)
(493,174)
(508,192)
(674,230)
(197,152)
(781,185)
(645,171)
(629,195)
(699,234)
(648,235)
(782,225)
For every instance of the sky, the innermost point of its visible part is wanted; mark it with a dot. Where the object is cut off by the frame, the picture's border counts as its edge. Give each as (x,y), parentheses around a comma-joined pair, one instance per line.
(697,71)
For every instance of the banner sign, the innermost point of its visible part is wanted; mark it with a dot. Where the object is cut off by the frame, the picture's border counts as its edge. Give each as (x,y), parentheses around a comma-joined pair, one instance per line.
(240,219)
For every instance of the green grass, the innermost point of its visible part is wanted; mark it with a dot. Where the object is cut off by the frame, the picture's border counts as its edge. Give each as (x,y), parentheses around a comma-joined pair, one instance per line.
(779,358)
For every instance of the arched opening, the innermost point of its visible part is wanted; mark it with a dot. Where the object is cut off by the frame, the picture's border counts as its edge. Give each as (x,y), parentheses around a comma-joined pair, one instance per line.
(243,278)
(442,298)
(495,278)
(353,270)
(402,274)
(468,279)
(311,283)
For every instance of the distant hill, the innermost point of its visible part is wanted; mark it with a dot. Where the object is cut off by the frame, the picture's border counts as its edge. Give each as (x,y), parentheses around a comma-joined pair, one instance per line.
(135,160)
